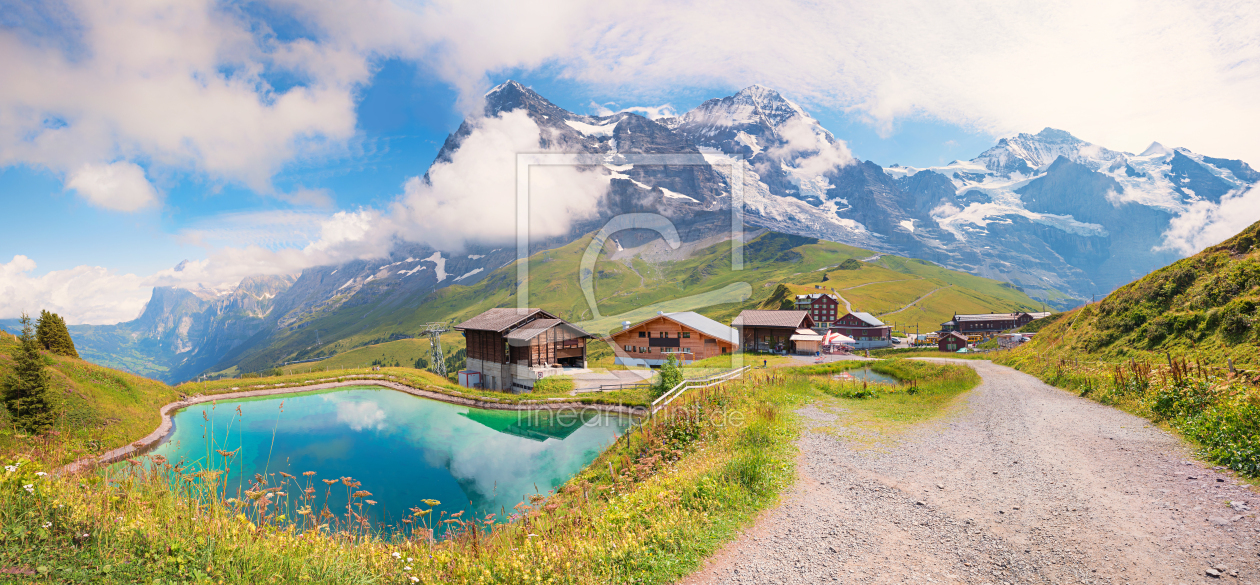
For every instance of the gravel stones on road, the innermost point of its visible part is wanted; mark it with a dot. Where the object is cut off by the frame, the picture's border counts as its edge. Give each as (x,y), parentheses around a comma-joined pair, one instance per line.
(1043,487)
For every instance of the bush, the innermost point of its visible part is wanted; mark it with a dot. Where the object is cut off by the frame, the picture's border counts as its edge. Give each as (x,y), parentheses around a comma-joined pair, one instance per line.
(850,264)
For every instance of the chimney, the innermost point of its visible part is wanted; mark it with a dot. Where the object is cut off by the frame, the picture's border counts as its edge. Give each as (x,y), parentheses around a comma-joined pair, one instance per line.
(625,325)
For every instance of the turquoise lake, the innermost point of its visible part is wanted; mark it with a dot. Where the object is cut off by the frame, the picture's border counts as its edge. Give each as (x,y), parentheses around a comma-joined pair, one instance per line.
(868,375)
(400,447)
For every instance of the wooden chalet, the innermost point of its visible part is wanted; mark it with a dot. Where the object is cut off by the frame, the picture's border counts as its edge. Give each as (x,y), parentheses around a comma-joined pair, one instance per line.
(511,349)
(772,331)
(687,335)
(867,331)
(952,341)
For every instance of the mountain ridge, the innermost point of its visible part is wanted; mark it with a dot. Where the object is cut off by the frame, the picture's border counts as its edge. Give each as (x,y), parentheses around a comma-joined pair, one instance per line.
(1048,212)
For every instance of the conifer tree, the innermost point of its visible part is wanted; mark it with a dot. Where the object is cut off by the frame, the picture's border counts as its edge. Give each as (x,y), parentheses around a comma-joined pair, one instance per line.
(53,335)
(25,390)
(44,329)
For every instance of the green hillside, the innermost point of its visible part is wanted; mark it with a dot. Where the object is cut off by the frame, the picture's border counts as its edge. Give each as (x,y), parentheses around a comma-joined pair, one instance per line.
(634,289)
(1203,306)
(99,408)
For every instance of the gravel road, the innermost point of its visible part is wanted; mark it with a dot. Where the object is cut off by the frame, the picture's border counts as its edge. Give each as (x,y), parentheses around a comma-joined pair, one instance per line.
(1020,483)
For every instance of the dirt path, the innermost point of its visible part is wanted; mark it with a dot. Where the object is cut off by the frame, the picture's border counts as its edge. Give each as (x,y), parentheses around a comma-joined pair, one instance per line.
(915,301)
(1020,483)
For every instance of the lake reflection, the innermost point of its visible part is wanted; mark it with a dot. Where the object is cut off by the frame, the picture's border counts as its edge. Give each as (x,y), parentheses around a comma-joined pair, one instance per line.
(402,448)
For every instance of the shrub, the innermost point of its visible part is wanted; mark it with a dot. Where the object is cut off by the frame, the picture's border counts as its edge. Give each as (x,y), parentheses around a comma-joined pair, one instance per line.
(850,264)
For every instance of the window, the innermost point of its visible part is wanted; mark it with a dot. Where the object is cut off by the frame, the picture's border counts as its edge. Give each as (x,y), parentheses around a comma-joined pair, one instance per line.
(664,335)
(643,334)
(627,349)
(686,335)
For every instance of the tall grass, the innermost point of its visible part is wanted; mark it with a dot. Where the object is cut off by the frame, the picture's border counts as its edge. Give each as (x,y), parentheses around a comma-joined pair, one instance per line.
(659,500)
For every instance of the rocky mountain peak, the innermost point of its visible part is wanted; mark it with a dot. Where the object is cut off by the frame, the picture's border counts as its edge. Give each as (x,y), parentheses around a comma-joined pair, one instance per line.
(511,95)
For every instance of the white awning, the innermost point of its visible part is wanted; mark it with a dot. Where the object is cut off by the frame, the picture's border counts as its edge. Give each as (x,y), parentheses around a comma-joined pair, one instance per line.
(811,337)
(834,338)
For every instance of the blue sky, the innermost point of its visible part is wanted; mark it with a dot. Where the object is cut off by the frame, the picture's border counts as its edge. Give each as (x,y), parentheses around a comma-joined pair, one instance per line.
(273,135)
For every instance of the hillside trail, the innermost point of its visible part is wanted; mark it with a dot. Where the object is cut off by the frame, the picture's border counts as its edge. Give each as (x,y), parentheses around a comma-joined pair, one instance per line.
(1019,482)
(916,301)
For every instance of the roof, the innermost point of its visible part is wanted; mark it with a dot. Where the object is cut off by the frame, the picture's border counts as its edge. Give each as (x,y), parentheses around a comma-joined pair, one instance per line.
(531,330)
(815,296)
(762,318)
(705,325)
(500,320)
(803,337)
(986,317)
(869,319)
(954,334)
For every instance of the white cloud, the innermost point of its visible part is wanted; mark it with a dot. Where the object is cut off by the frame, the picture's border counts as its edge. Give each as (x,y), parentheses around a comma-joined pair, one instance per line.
(1205,223)
(120,186)
(801,135)
(473,197)
(342,236)
(175,84)
(84,294)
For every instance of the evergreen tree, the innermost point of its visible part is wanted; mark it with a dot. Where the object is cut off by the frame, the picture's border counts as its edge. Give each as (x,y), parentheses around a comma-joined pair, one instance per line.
(44,329)
(25,390)
(53,335)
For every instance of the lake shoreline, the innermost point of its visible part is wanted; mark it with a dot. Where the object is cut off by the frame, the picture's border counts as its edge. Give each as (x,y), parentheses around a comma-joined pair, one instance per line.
(167,424)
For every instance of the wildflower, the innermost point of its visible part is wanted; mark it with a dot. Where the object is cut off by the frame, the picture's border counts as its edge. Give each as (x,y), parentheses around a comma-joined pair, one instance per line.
(408,559)
(396,555)
(30,488)
(415,579)
(407,568)
(40,474)
(10,468)
(48,525)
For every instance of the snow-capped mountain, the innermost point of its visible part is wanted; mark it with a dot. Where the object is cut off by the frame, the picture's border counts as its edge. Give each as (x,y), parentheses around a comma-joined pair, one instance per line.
(1053,214)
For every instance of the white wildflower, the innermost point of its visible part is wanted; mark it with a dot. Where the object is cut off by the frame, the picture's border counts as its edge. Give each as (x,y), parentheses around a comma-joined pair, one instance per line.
(408,559)
(48,525)
(40,474)
(407,568)
(395,554)
(415,579)
(30,488)
(10,468)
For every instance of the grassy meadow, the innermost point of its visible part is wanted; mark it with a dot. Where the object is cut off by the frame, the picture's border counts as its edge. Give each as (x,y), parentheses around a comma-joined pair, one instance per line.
(634,289)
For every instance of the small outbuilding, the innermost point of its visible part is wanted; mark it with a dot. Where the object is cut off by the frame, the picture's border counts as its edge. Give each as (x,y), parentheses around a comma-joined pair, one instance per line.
(952,341)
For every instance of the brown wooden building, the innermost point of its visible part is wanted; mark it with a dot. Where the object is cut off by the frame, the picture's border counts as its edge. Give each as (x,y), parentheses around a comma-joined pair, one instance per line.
(514,348)
(952,341)
(771,330)
(687,335)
